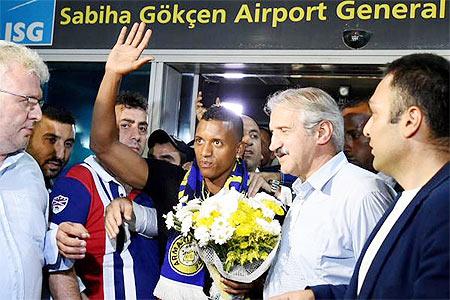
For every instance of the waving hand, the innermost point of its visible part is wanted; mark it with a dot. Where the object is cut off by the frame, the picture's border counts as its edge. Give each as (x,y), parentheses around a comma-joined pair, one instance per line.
(125,57)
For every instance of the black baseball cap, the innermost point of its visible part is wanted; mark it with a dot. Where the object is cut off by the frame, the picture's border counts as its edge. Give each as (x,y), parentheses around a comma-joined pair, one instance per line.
(159,136)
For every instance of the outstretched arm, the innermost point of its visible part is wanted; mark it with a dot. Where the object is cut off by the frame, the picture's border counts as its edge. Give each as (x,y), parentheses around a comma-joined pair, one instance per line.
(124,58)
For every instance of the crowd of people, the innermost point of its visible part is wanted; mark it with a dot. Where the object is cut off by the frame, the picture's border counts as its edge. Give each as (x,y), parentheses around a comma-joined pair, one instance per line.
(365,187)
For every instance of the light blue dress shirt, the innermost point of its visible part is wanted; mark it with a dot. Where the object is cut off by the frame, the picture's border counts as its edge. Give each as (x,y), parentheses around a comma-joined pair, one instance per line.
(332,215)
(25,243)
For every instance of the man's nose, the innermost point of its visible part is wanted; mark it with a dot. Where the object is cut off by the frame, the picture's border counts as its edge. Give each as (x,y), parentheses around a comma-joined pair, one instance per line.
(206,149)
(274,143)
(60,151)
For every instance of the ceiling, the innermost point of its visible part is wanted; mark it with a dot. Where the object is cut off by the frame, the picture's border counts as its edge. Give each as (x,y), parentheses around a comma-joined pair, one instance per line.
(251,84)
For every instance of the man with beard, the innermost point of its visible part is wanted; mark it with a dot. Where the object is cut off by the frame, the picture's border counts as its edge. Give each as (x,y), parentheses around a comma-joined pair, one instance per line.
(129,266)
(52,142)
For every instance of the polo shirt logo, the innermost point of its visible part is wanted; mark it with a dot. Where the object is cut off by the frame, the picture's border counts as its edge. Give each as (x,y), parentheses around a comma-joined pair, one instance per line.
(59,203)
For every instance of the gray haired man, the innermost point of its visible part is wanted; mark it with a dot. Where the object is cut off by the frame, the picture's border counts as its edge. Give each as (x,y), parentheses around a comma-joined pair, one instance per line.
(337,204)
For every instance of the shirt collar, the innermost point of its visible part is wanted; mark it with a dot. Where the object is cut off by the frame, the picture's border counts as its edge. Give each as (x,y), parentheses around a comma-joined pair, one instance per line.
(104,175)
(320,177)
(11,160)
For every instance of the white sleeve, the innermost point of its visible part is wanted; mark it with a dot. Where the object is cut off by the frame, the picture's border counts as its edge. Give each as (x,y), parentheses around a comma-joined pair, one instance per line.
(146,222)
(53,259)
(366,216)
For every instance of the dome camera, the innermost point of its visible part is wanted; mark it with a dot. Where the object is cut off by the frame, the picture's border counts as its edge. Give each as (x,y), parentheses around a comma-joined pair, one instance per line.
(356,38)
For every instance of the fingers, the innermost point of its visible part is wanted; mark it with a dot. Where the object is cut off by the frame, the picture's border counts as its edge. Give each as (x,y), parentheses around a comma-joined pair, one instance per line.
(113,219)
(73,229)
(144,42)
(122,34)
(138,37)
(236,288)
(142,61)
(127,208)
(69,240)
(255,184)
(131,34)
(200,110)
(198,101)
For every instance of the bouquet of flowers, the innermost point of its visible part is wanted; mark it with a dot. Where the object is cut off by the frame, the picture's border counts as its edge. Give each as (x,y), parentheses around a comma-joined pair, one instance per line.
(237,236)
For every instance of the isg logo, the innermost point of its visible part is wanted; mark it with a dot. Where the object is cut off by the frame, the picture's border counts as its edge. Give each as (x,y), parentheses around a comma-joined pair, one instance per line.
(28,22)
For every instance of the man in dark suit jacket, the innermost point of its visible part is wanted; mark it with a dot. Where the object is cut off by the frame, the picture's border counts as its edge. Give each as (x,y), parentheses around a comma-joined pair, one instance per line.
(407,254)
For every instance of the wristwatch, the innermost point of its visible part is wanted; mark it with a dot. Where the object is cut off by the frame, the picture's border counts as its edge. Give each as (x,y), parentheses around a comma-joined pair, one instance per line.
(274,185)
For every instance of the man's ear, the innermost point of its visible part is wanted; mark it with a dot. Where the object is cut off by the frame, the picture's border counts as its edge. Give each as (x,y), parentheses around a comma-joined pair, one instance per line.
(411,121)
(324,132)
(240,150)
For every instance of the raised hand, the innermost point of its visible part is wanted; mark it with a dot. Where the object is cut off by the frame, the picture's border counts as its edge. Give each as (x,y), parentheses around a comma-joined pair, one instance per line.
(125,57)
(199,108)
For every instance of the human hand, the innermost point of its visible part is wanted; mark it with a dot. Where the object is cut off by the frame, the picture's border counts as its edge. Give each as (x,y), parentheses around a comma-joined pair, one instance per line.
(297,295)
(70,239)
(256,183)
(116,211)
(125,56)
(236,288)
(199,108)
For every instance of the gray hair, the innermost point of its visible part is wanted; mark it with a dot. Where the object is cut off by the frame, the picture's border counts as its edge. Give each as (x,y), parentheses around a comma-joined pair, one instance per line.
(11,52)
(314,105)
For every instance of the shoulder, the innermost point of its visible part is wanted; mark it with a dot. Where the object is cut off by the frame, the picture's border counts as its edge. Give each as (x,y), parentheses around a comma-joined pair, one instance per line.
(435,204)
(75,177)
(358,181)
(160,168)
(28,164)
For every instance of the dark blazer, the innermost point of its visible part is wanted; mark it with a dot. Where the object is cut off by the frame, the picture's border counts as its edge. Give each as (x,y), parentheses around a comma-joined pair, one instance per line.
(413,260)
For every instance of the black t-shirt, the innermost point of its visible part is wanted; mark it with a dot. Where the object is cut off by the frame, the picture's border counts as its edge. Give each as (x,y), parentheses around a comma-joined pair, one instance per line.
(163,184)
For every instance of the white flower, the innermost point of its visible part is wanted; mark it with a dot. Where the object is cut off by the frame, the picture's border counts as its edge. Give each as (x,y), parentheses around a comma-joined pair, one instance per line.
(202,235)
(186,225)
(272,227)
(221,231)
(225,202)
(267,212)
(170,223)
(184,199)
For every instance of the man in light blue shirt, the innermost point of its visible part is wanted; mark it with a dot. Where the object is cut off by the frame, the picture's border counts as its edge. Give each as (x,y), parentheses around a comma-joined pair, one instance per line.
(337,204)
(24,240)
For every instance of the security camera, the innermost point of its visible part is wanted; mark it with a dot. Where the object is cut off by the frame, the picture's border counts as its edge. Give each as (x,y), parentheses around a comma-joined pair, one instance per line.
(356,38)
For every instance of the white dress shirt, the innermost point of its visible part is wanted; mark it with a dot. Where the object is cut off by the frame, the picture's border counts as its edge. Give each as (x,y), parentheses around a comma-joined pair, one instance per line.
(25,243)
(372,250)
(327,225)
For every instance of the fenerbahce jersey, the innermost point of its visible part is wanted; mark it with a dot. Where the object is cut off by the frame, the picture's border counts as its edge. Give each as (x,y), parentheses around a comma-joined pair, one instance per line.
(125,268)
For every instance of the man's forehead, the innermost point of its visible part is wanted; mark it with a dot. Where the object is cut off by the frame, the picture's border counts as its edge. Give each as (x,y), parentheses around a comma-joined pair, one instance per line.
(50,126)
(382,92)
(361,108)
(283,116)
(131,113)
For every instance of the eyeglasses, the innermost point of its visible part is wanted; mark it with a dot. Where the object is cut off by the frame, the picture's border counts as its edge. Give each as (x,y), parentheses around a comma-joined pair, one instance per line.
(31,101)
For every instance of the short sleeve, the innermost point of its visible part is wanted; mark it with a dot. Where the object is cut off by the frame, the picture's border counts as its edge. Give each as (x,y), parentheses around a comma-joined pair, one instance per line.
(70,201)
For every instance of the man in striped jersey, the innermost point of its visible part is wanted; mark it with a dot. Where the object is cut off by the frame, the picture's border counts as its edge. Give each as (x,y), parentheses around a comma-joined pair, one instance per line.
(127,267)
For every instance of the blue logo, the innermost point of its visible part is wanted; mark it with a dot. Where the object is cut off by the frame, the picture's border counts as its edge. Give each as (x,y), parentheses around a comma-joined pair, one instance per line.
(28,22)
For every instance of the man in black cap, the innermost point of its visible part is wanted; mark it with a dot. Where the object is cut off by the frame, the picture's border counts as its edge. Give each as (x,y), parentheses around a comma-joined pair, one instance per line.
(163,146)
